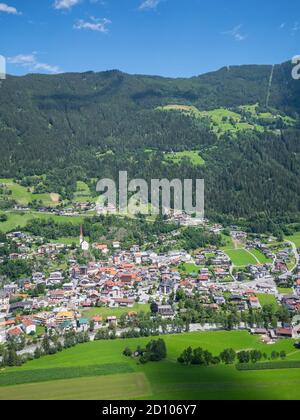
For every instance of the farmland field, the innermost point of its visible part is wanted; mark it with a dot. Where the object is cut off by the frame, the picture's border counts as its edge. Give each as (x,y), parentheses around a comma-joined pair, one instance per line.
(241,257)
(125,386)
(20,219)
(24,196)
(163,380)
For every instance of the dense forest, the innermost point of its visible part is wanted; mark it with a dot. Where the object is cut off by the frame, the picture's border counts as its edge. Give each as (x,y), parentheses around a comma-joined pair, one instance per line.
(72,127)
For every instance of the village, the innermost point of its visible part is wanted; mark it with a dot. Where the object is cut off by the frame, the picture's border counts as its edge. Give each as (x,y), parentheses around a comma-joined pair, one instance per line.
(117,292)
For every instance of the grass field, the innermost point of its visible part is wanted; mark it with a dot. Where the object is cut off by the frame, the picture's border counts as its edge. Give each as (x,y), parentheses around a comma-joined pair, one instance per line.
(228,243)
(105,312)
(285,291)
(193,156)
(83,193)
(22,196)
(260,256)
(265,299)
(241,257)
(222,120)
(295,238)
(67,241)
(45,375)
(125,386)
(226,121)
(190,268)
(17,219)
(163,380)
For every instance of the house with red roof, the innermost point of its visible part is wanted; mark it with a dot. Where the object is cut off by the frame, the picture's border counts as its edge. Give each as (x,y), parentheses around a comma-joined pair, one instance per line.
(28,327)
(15,332)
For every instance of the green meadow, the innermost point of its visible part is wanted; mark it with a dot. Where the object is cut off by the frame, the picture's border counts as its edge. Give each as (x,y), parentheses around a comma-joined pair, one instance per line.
(193,156)
(24,196)
(294,238)
(105,312)
(83,193)
(223,120)
(20,219)
(190,268)
(285,291)
(260,256)
(228,243)
(99,370)
(241,257)
(265,299)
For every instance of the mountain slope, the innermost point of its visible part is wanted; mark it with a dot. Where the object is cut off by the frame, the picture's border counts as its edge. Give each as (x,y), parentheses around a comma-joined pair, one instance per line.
(63,125)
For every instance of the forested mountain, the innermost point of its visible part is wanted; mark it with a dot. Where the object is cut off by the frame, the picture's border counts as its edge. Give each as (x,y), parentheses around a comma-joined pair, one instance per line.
(90,125)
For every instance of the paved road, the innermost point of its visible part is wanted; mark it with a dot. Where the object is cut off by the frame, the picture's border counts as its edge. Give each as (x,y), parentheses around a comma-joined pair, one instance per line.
(296,256)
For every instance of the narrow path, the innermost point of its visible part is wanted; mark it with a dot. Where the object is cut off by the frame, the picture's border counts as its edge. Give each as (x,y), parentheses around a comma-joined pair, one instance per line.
(246,250)
(254,256)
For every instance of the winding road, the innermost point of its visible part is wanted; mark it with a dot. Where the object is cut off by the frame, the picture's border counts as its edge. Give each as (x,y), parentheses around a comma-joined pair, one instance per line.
(297,257)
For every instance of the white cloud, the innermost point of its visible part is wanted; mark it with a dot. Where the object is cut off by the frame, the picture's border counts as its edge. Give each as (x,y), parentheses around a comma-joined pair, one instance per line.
(65,4)
(282,26)
(149,4)
(98,25)
(4,8)
(236,33)
(296,27)
(31,62)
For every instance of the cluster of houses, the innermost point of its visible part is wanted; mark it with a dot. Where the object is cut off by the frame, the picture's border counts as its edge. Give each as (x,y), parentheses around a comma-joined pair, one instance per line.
(123,278)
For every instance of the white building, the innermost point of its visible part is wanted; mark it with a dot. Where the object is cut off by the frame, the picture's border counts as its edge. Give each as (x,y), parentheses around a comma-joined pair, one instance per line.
(2,329)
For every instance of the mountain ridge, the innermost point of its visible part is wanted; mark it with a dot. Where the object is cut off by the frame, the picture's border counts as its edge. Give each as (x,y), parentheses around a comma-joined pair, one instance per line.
(62,125)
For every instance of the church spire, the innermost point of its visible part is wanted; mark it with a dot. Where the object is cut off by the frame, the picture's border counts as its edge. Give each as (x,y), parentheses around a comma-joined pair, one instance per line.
(81,235)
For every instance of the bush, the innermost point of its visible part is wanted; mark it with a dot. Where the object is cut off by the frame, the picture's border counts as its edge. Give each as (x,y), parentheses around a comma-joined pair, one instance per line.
(127,352)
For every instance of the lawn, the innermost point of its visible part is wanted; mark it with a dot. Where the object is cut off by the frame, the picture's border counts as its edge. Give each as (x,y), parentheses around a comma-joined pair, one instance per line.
(291,264)
(285,291)
(266,299)
(164,380)
(193,156)
(260,256)
(190,268)
(105,312)
(241,257)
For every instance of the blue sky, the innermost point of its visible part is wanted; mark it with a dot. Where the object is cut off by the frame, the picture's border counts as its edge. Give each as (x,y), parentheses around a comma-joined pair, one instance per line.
(166,37)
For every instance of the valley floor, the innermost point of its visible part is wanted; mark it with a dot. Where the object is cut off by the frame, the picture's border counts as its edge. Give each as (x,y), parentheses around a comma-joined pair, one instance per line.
(99,371)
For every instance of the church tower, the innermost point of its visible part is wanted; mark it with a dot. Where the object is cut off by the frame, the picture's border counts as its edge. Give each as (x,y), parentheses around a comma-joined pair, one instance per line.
(81,239)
